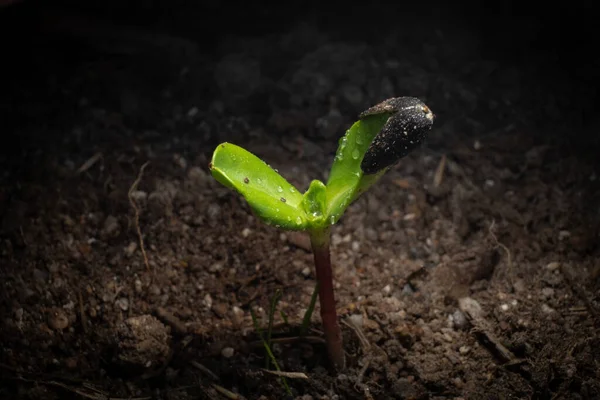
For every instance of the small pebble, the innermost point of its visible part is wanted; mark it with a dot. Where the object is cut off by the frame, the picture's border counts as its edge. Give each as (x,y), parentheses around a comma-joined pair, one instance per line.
(306,272)
(227,352)
(123,303)
(246,232)
(387,289)
(553,266)
(208,301)
(357,320)
(547,309)
(138,286)
(130,249)
(504,307)
(547,292)
(58,319)
(463,350)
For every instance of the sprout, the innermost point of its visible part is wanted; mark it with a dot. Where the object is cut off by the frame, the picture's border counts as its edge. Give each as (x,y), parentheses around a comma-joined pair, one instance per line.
(383,135)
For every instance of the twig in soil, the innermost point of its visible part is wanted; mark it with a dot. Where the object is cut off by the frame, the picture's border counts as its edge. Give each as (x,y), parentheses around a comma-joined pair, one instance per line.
(227,393)
(89,163)
(499,244)
(171,320)
(366,349)
(482,329)
(94,396)
(439,172)
(268,350)
(137,213)
(207,371)
(291,375)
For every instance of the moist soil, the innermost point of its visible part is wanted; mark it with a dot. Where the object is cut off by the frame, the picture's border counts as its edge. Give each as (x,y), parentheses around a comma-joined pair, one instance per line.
(470,270)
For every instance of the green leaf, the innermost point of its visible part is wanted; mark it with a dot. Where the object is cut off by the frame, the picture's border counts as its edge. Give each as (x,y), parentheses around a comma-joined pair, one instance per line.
(271,197)
(346,175)
(314,204)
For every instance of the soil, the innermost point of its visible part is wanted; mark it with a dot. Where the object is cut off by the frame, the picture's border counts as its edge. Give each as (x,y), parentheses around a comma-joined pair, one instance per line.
(471,270)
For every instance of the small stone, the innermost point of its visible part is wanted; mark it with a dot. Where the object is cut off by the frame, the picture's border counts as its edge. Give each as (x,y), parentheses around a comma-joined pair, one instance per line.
(122,303)
(111,226)
(139,196)
(208,301)
(58,319)
(220,309)
(130,249)
(336,239)
(306,272)
(138,286)
(192,112)
(357,320)
(546,309)
(387,289)
(227,352)
(547,292)
(216,267)
(213,211)
(504,307)
(246,232)
(355,246)
(470,306)
(464,350)
(553,266)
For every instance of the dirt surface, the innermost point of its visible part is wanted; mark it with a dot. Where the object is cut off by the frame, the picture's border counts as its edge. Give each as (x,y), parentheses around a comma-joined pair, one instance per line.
(470,271)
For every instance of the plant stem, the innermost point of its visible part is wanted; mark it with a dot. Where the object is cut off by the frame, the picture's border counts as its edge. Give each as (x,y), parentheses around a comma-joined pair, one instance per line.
(319,240)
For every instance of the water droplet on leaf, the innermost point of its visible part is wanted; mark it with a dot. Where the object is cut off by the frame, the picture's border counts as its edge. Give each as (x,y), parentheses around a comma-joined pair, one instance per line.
(355,154)
(279,189)
(298,220)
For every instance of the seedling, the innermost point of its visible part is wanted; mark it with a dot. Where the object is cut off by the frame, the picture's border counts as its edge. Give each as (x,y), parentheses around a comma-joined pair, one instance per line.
(383,135)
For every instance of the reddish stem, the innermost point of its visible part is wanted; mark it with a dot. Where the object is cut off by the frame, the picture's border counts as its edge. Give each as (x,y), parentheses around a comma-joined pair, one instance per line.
(333,335)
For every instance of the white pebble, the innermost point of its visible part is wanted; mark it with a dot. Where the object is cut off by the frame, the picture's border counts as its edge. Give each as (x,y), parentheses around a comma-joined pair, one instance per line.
(208,301)
(246,232)
(227,352)
(504,307)
(357,320)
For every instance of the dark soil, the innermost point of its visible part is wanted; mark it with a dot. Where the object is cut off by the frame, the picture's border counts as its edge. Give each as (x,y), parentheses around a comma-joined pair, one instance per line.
(471,270)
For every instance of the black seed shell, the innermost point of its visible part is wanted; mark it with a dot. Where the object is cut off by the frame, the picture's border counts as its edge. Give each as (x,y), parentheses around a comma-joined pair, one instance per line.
(407,127)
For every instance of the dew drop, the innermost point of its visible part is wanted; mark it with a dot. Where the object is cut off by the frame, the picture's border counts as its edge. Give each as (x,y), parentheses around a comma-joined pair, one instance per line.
(289,218)
(355,154)
(292,190)
(359,140)
(332,219)
(298,221)
(279,189)
(258,180)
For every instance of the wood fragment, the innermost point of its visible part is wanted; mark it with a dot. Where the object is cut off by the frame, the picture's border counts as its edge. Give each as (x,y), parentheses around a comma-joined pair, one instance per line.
(482,328)
(202,368)
(164,315)
(89,163)
(439,172)
(227,393)
(291,375)
(136,209)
